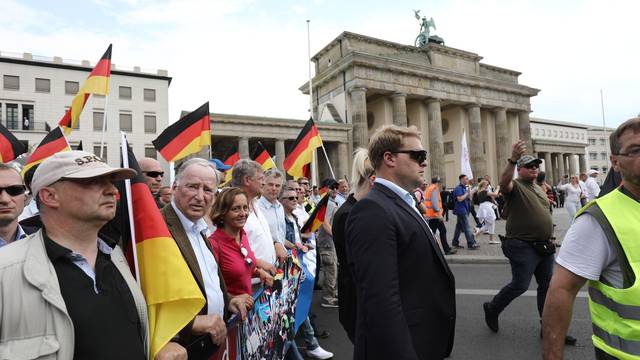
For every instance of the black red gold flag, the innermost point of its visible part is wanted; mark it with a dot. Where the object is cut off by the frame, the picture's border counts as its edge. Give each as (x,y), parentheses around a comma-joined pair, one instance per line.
(302,150)
(53,143)
(230,160)
(10,146)
(186,136)
(317,216)
(262,157)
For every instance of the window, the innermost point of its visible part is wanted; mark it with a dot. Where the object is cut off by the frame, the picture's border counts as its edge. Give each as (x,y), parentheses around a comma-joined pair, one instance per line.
(150,152)
(594,168)
(125,93)
(448,148)
(71,87)
(604,170)
(43,85)
(592,141)
(149,94)
(96,151)
(12,116)
(603,156)
(98,116)
(11,82)
(150,124)
(593,156)
(603,142)
(125,122)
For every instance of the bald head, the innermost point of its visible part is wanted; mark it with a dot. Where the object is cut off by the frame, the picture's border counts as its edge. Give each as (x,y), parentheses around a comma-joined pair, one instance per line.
(153,173)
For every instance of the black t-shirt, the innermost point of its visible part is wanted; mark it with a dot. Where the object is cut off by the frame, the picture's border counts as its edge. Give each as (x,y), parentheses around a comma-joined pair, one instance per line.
(106,323)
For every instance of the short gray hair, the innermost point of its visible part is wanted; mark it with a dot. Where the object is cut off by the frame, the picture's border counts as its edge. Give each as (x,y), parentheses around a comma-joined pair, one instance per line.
(243,168)
(274,173)
(195,161)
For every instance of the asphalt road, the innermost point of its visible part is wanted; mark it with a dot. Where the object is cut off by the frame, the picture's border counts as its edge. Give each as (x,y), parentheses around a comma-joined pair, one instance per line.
(519,323)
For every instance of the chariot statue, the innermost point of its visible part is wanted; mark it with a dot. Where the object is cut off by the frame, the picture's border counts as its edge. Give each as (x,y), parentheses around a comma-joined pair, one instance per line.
(425,25)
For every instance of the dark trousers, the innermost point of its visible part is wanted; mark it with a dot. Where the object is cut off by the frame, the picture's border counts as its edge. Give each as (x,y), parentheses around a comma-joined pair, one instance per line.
(437,224)
(472,211)
(525,263)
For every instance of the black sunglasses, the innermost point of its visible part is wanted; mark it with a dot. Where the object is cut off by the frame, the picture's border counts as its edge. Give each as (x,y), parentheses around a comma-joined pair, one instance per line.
(419,156)
(13,190)
(531,166)
(292,198)
(154,174)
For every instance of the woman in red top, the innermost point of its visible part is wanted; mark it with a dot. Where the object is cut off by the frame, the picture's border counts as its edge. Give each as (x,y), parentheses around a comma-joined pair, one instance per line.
(230,245)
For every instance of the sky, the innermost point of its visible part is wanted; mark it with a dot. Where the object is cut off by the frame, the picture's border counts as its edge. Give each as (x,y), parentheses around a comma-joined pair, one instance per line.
(250,56)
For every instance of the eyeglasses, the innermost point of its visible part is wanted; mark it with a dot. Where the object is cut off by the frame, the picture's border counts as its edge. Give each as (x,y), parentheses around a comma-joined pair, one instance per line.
(304,183)
(419,156)
(292,198)
(13,190)
(635,152)
(531,166)
(154,174)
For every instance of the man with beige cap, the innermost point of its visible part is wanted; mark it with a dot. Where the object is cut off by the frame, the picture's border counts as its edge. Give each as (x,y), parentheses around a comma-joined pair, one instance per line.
(64,292)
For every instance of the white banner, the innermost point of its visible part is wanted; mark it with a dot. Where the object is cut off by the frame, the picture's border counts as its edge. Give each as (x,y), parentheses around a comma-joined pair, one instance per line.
(465,162)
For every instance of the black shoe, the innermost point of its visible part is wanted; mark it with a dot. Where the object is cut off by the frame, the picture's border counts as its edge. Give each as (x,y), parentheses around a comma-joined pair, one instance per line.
(489,318)
(451,252)
(458,246)
(568,339)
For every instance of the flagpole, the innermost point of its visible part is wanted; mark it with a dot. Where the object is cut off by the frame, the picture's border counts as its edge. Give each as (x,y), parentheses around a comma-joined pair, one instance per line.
(127,186)
(604,127)
(314,157)
(104,125)
(328,162)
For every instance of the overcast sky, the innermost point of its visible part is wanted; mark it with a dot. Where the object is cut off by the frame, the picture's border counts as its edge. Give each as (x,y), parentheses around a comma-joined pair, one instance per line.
(250,57)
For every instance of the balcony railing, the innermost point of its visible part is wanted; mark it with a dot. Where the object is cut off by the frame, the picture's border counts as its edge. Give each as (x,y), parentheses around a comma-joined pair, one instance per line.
(21,126)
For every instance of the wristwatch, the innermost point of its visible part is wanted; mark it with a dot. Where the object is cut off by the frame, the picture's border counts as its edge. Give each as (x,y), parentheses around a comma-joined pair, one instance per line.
(512,162)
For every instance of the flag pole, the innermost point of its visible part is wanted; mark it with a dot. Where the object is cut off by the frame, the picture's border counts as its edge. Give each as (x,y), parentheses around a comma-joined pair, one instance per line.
(604,126)
(127,186)
(314,157)
(104,126)
(328,162)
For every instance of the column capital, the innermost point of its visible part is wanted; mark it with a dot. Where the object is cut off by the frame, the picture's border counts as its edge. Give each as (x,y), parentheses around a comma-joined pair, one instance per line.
(432,100)
(398,94)
(357,89)
(500,109)
(472,106)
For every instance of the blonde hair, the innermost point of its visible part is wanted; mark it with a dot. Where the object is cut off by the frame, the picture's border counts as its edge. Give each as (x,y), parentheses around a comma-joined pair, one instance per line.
(388,138)
(361,170)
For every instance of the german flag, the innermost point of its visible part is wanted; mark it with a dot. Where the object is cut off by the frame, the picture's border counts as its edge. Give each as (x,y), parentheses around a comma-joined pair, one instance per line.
(97,83)
(317,216)
(302,150)
(53,143)
(172,294)
(262,157)
(230,160)
(10,146)
(186,136)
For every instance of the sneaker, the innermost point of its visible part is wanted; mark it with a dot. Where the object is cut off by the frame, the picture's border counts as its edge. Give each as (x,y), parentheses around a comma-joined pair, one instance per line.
(330,304)
(489,318)
(319,353)
(474,247)
(458,246)
(494,242)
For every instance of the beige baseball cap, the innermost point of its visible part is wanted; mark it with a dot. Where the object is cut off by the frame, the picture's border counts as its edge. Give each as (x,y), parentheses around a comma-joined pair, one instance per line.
(75,165)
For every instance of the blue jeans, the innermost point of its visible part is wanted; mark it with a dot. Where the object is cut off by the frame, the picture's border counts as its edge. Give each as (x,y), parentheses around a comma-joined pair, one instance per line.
(462,226)
(309,336)
(525,263)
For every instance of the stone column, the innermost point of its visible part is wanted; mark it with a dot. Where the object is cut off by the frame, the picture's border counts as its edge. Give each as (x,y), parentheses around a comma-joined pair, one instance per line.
(399,109)
(280,155)
(561,168)
(243,147)
(572,164)
(343,161)
(524,130)
(503,145)
(548,168)
(475,141)
(582,160)
(359,117)
(436,139)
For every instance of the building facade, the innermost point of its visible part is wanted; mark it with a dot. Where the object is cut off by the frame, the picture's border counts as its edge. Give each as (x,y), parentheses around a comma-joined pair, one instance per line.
(562,147)
(36,91)
(367,82)
(598,151)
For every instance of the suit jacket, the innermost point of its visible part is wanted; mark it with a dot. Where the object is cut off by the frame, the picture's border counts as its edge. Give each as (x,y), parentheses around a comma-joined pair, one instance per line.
(182,240)
(405,289)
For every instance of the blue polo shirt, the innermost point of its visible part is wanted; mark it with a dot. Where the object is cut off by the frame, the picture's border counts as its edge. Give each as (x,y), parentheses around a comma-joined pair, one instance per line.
(461,207)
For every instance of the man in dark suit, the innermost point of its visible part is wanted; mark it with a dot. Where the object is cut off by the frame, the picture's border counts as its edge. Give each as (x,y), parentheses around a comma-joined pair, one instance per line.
(405,290)
(194,191)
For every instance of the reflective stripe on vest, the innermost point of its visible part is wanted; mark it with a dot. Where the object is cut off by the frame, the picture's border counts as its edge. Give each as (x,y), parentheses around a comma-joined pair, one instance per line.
(615,313)
(429,204)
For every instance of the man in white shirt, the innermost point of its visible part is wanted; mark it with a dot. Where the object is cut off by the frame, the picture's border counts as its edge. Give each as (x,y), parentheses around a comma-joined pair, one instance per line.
(248,176)
(194,189)
(593,189)
(273,211)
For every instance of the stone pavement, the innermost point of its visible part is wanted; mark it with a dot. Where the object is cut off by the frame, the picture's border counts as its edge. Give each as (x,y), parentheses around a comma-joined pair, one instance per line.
(492,254)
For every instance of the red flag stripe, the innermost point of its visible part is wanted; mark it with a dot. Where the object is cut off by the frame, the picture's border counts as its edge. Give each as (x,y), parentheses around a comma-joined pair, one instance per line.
(181,140)
(48,149)
(301,147)
(143,200)
(263,157)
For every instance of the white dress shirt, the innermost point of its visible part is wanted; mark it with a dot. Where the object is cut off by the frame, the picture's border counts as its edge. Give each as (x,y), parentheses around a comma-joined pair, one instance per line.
(274,214)
(593,189)
(259,234)
(206,261)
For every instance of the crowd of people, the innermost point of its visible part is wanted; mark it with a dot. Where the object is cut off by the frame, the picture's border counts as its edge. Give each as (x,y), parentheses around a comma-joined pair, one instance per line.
(64,280)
